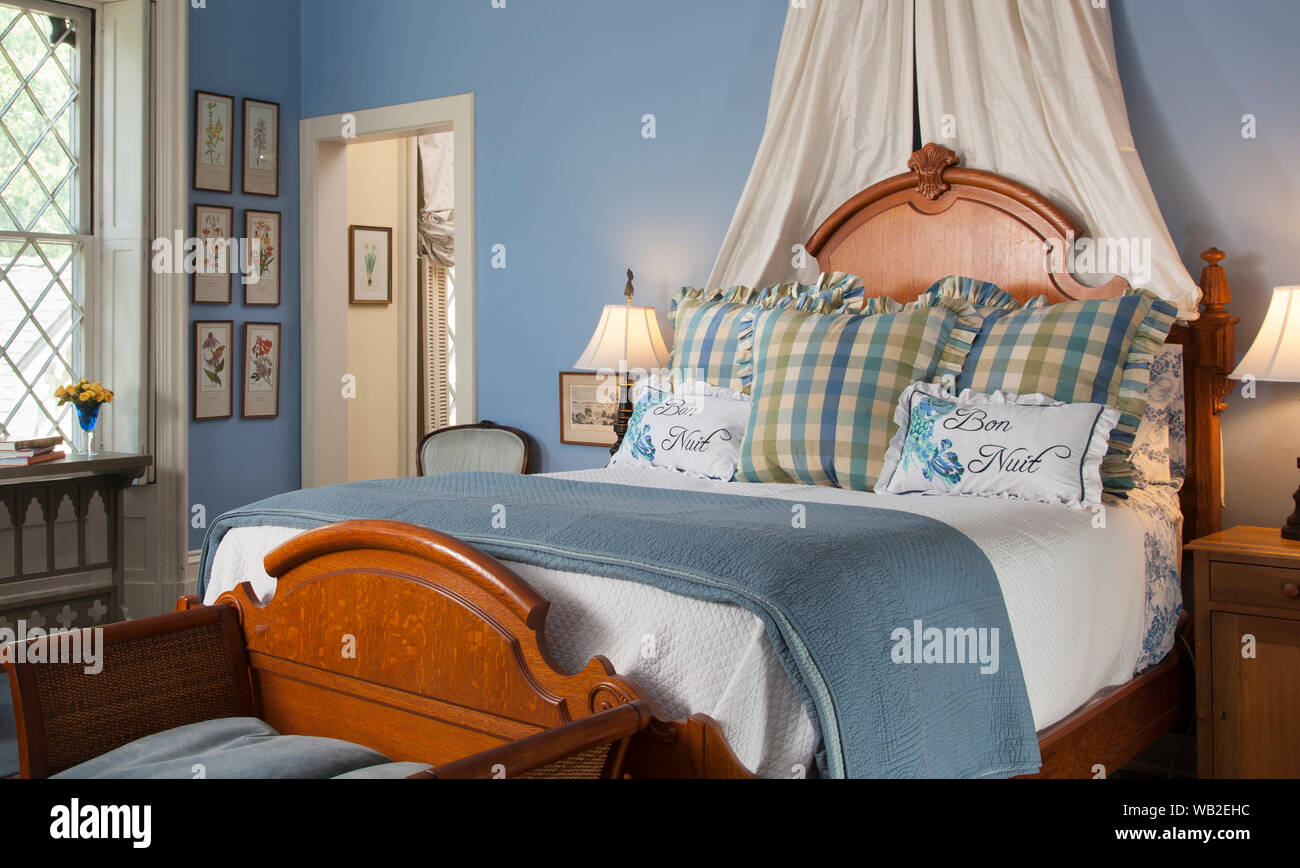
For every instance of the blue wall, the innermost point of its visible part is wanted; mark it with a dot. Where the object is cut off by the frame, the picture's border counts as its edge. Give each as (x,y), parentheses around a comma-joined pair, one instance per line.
(249,48)
(566,182)
(564,178)
(1190,71)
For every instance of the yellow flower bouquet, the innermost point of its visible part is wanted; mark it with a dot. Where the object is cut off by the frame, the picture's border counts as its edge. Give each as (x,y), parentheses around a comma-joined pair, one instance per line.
(87,397)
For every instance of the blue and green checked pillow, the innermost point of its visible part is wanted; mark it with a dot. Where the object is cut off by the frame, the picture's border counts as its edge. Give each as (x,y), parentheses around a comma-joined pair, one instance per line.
(825,387)
(1097,351)
(711,342)
(986,297)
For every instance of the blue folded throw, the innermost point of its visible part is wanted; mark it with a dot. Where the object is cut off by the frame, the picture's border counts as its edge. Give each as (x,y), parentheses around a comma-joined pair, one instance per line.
(876,614)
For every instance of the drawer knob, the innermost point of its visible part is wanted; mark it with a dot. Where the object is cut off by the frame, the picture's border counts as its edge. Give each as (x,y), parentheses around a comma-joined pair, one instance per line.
(1291,591)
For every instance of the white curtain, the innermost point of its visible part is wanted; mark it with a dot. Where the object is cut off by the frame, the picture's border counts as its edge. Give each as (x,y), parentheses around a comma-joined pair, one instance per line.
(438,198)
(839,119)
(1030,89)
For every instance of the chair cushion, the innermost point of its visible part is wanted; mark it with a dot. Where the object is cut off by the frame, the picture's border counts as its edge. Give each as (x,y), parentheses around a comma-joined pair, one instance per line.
(228,747)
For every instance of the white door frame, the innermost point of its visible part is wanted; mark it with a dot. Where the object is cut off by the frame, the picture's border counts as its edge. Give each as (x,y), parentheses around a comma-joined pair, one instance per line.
(324,224)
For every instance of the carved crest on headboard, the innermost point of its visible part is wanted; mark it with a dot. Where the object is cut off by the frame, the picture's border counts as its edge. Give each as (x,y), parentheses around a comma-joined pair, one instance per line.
(929,164)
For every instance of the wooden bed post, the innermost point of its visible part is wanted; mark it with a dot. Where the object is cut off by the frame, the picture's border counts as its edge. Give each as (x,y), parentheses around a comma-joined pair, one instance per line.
(1209,353)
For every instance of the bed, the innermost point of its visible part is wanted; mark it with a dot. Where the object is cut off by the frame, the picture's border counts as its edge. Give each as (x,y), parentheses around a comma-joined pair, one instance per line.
(1100,659)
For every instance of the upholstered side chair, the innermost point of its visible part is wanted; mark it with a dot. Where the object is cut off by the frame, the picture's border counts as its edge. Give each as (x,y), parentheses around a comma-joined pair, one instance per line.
(483,446)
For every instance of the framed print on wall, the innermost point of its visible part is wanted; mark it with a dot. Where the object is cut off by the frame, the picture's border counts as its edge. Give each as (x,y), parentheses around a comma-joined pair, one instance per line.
(214,127)
(262,234)
(261,376)
(370,265)
(213,395)
(587,409)
(213,227)
(261,147)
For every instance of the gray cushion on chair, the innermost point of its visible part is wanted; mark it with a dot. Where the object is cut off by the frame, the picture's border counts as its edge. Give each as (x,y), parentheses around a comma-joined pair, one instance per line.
(454,450)
(229,747)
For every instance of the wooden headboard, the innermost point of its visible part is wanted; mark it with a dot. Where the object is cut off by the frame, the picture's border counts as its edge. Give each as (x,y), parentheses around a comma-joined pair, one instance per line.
(906,232)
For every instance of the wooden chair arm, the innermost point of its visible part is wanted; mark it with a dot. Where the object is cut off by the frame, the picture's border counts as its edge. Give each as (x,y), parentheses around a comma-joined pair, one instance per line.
(593,747)
(152,674)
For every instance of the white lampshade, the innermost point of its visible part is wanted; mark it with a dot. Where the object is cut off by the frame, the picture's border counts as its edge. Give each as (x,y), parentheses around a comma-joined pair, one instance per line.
(625,337)
(1275,354)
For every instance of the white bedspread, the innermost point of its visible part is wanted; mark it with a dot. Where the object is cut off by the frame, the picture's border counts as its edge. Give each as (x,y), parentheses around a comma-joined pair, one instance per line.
(1075,595)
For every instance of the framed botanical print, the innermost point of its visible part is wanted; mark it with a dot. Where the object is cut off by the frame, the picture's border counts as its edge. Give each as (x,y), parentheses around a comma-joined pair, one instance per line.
(588,408)
(370,265)
(261,377)
(213,228)
(262,235)
(213,396)
(214,126)
(261,147)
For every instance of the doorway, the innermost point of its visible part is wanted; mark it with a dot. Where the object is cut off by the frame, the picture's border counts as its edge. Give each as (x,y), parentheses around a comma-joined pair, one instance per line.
(336,433)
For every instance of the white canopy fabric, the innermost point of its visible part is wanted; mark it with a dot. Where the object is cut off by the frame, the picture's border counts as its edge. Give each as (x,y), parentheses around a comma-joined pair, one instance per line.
(839,119)
(1030,89)
(1025,88)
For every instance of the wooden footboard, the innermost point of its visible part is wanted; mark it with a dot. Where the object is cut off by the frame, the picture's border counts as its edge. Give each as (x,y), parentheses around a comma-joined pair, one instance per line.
(426,649)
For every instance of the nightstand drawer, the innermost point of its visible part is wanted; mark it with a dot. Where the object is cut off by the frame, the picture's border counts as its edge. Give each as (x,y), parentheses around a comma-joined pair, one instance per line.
(1252,585)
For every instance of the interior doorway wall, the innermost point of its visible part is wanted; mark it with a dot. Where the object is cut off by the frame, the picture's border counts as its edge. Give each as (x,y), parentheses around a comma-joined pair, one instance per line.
(328,360)
(381,193)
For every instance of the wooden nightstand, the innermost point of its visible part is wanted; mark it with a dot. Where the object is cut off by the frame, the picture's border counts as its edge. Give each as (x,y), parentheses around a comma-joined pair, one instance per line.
(1247,708)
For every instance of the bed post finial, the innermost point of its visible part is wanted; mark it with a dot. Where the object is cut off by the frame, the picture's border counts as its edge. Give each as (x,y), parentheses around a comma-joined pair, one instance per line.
(929,164)
(1209,354)
(1214,282)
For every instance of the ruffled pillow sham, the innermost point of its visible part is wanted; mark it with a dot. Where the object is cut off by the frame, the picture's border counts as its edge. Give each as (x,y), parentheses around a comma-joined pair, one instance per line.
(713,344)
(825,388)
(1092,351)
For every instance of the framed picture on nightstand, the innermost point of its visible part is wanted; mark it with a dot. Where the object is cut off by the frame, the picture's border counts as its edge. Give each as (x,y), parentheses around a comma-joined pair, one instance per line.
(588,408)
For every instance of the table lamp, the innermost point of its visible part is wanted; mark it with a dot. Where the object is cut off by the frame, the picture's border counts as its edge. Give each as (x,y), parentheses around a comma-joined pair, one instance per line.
(626,338)
(1274,357)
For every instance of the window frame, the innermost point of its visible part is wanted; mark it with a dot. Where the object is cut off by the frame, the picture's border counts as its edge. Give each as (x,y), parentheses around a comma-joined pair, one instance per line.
(87,272)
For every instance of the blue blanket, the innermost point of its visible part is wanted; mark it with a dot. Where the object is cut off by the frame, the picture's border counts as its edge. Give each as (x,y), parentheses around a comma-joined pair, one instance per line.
(869,609)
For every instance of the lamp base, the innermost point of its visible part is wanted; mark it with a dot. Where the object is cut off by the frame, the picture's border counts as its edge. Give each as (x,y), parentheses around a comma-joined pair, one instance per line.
(625,415)
(1291,530)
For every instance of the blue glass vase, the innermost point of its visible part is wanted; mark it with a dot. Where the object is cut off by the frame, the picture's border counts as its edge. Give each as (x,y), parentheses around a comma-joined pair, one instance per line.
(87,418)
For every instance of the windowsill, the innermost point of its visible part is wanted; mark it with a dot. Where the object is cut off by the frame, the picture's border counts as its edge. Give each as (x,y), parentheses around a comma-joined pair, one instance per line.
(124,465)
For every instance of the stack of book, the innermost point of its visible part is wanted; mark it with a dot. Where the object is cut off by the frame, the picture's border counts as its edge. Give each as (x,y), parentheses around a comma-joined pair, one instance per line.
(17,453)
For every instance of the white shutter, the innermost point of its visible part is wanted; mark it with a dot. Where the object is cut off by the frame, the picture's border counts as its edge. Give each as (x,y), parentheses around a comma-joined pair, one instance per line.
(435,388)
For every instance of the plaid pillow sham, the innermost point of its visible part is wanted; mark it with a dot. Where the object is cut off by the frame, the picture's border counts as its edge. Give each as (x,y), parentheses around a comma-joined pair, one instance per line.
(825,387)
(712,340)
(1098,351)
